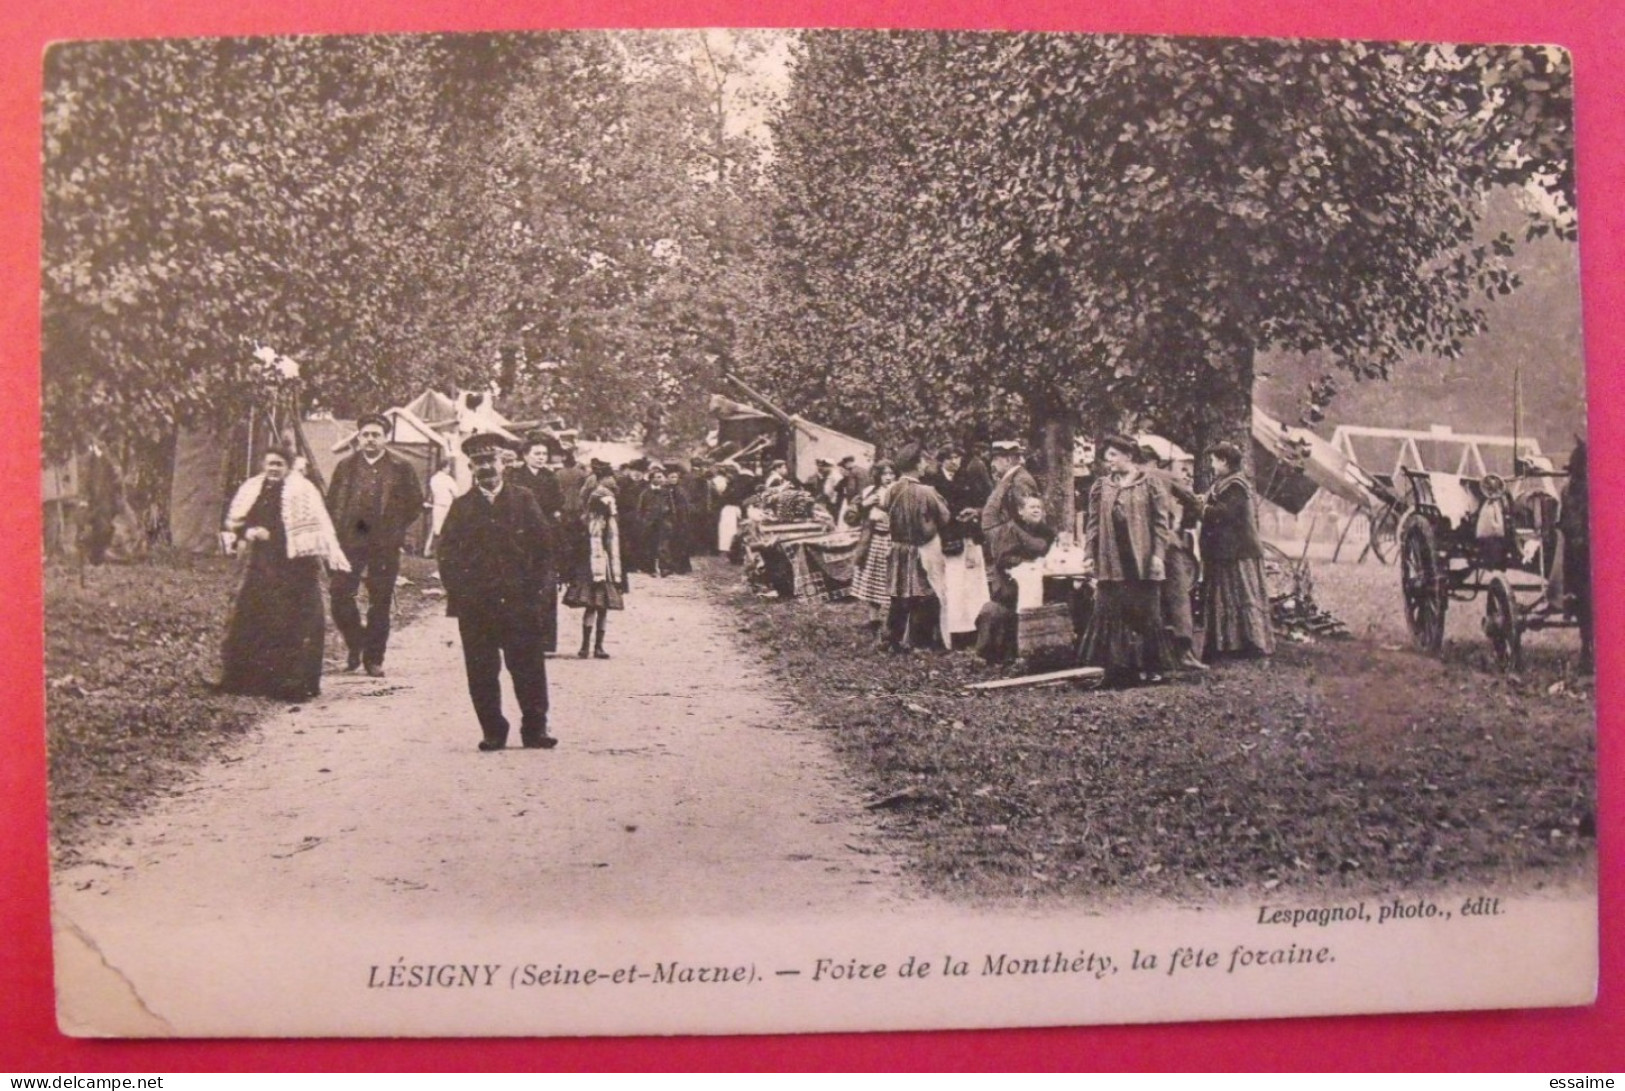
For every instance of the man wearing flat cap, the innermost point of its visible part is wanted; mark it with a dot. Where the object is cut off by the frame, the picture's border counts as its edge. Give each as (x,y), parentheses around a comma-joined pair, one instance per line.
(496,566)
(1012,486)
(374,499)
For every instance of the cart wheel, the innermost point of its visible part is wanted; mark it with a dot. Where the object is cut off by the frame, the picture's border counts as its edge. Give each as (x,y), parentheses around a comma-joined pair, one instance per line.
(1385,532)
(1422,582)
(1501,626)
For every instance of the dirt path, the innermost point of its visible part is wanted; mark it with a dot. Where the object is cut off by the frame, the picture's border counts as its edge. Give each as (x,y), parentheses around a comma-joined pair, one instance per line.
(682,785)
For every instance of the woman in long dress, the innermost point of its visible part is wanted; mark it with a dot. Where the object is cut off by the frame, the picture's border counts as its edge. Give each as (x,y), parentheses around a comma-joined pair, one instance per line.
(275,634)
(1234,596)
(1127,532)
(599,581)
(870,587)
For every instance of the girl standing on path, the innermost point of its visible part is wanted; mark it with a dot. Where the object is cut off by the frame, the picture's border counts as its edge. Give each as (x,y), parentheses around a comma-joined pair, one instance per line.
(599,581)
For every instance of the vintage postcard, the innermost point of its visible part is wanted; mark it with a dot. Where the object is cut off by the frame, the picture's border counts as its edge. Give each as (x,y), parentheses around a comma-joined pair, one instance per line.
(739,531)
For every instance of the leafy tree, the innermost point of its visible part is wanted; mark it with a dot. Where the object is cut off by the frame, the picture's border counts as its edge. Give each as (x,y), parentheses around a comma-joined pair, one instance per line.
(1094,230)
(549,214)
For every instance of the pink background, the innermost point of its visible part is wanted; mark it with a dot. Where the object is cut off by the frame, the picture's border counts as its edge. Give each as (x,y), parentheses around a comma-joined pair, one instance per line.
(1573,1041)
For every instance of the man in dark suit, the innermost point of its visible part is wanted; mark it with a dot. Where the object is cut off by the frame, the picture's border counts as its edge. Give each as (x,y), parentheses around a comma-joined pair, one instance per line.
(1012,485)
(375,497)
(494,558)
(533,474)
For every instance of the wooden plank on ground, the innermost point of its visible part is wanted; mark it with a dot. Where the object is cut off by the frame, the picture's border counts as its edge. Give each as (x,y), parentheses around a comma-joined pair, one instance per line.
(1080,674)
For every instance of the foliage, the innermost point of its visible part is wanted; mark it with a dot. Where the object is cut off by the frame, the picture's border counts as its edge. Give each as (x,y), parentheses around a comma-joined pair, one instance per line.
(547,214)
(972,226)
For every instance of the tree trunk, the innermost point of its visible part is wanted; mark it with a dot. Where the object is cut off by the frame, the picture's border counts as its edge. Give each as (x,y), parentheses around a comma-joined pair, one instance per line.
(508,377)
(1226,412)
(1056,431)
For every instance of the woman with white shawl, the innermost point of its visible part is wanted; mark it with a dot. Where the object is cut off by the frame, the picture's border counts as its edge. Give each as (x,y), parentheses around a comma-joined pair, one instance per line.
(276,631)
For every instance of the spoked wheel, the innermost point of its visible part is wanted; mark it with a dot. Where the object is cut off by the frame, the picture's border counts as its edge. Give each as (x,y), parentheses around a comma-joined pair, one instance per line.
(1422,581)
(1501,626)
(1385,532)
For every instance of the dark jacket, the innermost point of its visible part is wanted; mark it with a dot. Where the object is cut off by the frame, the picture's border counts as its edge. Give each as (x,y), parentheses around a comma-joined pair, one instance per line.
(544,486)
(916,511)
(1230,523)
(386,528)
(1005,499)
(494,554)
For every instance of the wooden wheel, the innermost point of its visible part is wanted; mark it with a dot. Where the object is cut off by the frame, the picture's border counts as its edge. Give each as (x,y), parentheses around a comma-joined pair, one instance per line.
(1422,582)
(1385,532)
(1501,626)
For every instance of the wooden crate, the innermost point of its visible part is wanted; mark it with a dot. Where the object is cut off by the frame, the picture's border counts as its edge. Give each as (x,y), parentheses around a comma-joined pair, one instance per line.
(1044,627)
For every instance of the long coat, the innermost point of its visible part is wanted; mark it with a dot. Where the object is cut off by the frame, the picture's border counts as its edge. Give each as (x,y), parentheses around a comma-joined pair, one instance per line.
(494,555)
(401,507)
(1149,510)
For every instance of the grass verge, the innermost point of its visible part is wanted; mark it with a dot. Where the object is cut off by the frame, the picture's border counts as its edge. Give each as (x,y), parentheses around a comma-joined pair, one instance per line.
(130,656)
(1355,765)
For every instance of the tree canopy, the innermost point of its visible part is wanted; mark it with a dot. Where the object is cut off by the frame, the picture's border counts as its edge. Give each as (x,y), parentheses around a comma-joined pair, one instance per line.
(1030,229)
(548,213)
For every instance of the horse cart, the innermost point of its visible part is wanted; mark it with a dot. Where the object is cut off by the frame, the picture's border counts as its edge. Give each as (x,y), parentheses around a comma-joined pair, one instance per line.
(1463,538)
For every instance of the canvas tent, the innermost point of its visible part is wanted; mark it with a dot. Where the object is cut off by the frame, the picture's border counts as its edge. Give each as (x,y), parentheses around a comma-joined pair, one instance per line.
(798,441)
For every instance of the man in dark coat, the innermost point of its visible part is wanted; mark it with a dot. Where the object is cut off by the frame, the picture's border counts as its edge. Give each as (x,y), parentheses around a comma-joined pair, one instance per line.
(533,474)
(494,561)
(375,497)
(1012,485)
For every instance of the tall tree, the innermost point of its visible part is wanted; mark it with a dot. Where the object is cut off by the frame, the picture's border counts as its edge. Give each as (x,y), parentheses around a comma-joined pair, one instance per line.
(1088,229)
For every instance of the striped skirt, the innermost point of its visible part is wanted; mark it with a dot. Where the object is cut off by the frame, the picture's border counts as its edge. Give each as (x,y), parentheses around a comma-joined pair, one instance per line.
(870,585)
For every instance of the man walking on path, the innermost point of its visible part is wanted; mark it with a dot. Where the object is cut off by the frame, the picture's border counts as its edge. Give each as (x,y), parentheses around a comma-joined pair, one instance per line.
(495,565)
(375,497)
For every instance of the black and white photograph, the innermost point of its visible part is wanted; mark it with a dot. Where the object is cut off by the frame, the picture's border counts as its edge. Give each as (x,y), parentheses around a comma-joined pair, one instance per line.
(745,531)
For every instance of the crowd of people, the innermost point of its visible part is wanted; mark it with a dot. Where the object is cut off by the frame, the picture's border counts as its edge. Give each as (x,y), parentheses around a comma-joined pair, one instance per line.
(944,533)
(941,540)
(519,539)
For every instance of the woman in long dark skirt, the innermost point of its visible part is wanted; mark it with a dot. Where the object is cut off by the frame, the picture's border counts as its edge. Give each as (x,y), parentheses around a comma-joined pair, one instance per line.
(275,634)
(1127,532)
(1235,600)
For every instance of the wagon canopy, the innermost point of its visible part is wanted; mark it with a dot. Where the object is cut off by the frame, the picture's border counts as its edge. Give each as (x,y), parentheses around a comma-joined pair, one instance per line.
(1292,464)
